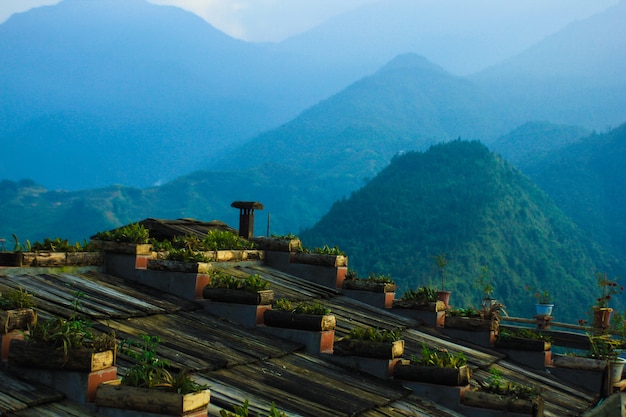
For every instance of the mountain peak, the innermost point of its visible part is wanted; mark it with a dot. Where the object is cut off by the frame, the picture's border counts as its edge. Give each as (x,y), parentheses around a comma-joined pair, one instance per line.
(411,60)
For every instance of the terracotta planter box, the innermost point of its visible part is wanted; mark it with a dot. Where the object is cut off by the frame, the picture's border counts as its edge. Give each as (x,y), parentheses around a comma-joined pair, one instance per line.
(415,305)
(319,259)
(369,349)
(367,285)
(33,355)
(470,323)
(19,319)
(123,247)
(225,295)
(10,259)
(278,245)
(432,374)
(239,255)
(178,266)
(521,343)
(491,401)
(115,395)
(51,259)
(289,320)
(578,362)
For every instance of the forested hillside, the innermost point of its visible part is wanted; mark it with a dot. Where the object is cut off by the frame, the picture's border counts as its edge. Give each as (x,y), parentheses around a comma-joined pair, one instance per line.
(289,196)
(587,180)
(534,140)
(460,199)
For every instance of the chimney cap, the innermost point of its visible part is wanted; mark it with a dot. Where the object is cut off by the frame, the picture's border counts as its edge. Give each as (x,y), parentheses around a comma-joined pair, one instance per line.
(247,205)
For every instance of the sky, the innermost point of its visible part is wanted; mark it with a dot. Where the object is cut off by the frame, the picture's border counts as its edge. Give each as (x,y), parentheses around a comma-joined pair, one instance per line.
(251,20)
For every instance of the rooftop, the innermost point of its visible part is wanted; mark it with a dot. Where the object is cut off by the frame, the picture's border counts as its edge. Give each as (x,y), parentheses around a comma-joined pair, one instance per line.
(241,362)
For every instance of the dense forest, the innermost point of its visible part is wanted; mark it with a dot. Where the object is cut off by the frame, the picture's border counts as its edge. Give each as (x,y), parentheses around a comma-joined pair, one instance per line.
(461,200)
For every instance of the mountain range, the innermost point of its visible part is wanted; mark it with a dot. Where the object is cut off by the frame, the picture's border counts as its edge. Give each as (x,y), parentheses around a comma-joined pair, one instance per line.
(184,120)
(107,82)
(461,200)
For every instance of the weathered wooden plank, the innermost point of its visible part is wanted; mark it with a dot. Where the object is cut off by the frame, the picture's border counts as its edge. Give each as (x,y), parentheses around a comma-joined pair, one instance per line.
(289,286)
(112,300)
(25,392)
(19,319)
(498,402)
(9,404)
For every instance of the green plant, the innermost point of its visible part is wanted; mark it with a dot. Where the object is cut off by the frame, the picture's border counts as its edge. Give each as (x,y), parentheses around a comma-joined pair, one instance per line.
(608,288)
(603,347)
(497,384)
(441,262)
(422,295)
(17,247)
(288,236)
(464,312)
(542,296)
(223,239)
(243,411)
(327,250)
(439,358)
(524,333)
(484,283)
(60,245)
(71,333)
(186,255)
(131,233)
(251,283)
(380,278)
(315,308)
(374,334)
(493,310)
(150,371)
(16,299)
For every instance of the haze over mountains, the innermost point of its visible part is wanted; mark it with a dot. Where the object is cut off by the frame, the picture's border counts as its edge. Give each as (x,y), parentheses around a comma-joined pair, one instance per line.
(137,95)
(102,79)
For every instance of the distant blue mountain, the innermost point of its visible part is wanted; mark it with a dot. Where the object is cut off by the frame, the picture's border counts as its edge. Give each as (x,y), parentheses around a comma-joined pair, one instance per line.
(575,76)
(124,91)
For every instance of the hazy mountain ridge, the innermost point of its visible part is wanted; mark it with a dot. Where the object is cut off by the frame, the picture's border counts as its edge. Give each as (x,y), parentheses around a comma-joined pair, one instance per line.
(534,140)
(586,179)
(459,199)
(408,104)
(575,76)
(99,85)
(136,76)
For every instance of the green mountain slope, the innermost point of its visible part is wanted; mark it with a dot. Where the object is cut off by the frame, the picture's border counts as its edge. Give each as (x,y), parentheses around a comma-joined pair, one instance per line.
(534,140)
(587,180)
(461,200)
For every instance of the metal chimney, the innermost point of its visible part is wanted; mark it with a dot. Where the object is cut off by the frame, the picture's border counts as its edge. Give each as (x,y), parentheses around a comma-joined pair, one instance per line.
(246,217)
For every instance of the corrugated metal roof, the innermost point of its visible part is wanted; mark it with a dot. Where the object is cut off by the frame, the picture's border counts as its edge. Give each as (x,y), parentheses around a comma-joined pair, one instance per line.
(247,363)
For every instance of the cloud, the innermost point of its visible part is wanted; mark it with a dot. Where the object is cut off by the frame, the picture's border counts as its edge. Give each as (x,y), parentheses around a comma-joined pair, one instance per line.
(264,20)
(9,7)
